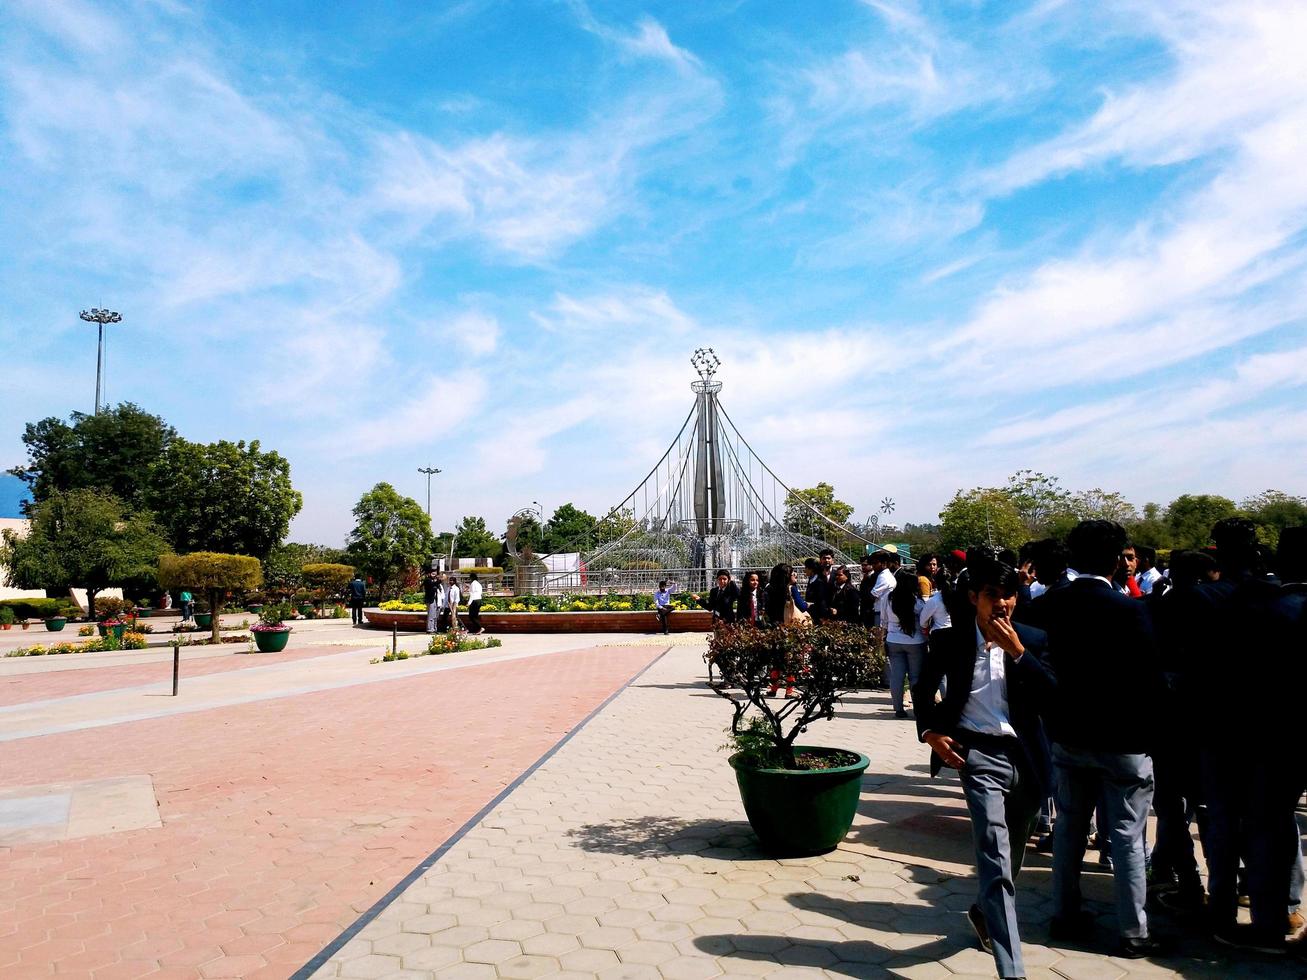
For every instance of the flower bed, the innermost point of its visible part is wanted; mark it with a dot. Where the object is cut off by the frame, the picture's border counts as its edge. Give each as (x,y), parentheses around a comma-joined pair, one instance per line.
(591,621)
(581,602)
(455,642)
(129,641)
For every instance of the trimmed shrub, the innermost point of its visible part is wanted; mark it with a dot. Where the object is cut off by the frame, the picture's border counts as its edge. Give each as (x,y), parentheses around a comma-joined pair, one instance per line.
(213,572)
(38,608)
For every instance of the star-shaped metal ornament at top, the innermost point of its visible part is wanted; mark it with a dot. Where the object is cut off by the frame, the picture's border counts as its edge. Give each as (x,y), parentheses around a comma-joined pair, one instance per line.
(706,362)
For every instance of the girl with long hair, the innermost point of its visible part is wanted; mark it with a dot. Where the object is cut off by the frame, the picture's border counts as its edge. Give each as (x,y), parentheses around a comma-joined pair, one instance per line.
(904,643)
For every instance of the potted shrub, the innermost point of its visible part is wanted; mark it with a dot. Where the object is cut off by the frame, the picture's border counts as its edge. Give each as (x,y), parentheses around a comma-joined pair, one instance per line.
(113,625)
(55,624)
(800,799)
(6,618)
(270,633)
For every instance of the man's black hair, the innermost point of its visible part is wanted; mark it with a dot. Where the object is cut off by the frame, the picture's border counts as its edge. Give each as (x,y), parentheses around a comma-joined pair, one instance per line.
(723,571)
(1051,559)
(662,584)
(991,571)
(1145,553)
(824,552)
(1008,557)
(1096,547)
(1236,544)
(810,563)
(979,552)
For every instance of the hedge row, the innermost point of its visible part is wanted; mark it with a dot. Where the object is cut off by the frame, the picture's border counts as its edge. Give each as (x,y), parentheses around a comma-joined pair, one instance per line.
(39,608)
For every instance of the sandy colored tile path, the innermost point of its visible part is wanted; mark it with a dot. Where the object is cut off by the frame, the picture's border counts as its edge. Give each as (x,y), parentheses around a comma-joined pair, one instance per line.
(626,856)
(282,819)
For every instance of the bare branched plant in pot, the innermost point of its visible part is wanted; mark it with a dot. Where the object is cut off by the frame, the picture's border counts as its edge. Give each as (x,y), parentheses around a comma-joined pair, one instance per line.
(800,798)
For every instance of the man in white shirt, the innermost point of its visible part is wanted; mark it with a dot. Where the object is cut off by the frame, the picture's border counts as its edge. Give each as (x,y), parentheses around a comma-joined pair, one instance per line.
(1147,575)
(454,596)
(987,727)
(474,605)
(883,563)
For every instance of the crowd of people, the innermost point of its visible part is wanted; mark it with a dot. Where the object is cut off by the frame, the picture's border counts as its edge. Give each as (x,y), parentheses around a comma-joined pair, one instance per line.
(1076,686)
(443,595)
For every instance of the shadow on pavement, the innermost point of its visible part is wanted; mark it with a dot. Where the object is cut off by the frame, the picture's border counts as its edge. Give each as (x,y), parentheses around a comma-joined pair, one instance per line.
(728,840)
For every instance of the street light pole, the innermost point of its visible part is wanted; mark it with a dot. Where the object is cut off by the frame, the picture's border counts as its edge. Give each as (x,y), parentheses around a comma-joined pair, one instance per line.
(100,317)
(430,471)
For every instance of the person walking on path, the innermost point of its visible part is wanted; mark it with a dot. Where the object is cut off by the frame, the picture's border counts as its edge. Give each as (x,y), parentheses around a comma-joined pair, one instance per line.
(904,642)
(431,596)
(357,591)
(987,727)
(188,605)
(1102,727)
(454,597)
(474,592)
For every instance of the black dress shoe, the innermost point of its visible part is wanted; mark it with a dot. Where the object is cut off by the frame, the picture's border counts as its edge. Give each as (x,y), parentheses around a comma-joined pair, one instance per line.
(1137,947)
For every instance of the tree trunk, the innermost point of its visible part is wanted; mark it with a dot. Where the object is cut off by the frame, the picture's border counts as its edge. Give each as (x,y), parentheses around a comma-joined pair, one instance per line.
(90,603)
(216,609)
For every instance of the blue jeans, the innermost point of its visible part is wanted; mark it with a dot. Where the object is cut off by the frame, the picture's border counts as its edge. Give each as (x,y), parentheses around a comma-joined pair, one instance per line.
(1124,784)
(904,661)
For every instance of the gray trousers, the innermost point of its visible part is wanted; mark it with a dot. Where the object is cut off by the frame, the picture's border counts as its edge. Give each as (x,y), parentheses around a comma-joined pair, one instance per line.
(1004,803)
(433,616)
(1124,784)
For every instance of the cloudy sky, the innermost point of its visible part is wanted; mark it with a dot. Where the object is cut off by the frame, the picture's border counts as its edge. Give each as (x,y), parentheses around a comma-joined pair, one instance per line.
(932,243)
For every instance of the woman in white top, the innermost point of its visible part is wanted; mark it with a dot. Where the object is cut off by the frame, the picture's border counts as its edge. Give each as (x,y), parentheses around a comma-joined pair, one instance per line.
(455,597)
(474,605)
(904,642)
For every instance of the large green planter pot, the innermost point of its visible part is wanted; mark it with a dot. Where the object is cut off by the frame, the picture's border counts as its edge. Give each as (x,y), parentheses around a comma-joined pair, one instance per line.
(271,641)
(55,624)
(255,607)
(801,812)
(204,619)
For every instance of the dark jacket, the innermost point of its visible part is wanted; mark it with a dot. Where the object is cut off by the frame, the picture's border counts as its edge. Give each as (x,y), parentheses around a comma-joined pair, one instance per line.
(818,597)
(1109,679)
(721,602)
(429,589)
(357,589)
(866,604)
(1030,686)
(846,604)
(742,605)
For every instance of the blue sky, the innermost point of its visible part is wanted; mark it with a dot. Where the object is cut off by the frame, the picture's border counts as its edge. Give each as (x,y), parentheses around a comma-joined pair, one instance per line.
(933,243)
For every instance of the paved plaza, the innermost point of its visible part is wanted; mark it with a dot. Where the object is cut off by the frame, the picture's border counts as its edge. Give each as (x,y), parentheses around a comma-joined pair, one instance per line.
(312,813)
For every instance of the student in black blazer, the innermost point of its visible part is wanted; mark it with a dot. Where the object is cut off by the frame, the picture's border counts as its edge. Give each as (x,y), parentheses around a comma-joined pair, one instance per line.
(845,602)
(1103,726)
(721,599)
(987,727)
(751,607)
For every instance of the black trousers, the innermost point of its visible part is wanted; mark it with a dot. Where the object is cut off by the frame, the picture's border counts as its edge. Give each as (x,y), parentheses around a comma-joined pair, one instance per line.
(474,616)
(356,611)
(663,612)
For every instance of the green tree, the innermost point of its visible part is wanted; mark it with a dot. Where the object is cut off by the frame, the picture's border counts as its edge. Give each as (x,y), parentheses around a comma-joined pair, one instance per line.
(327,579)
(84,539)
(801,520)
(111,452)
(569,529)
(616,525)
(921,538)
(981,516)
(1039,499)
(472,539)
(226,497)
(1191,516)
(1150,528)
(283,567)
(217,574)
(1273,511)
(392,535)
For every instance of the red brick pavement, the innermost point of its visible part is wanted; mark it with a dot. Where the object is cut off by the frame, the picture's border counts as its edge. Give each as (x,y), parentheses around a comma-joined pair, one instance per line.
(23,688)
(282,820)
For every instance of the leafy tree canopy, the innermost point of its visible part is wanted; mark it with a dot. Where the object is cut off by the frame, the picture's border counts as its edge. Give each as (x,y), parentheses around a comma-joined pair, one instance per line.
(981,516)
(569,529)
(111,452)
(1190,518)
(392,534)
(84,539)
(799,519)
(473,540)
(1273,511)
(215,573)
(225,496)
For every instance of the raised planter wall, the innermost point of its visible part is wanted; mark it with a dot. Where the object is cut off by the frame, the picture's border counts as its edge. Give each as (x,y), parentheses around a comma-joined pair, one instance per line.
(682,621)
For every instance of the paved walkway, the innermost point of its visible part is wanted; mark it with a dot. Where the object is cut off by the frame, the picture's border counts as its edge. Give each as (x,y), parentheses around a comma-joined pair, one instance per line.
(626,855)
(290,798)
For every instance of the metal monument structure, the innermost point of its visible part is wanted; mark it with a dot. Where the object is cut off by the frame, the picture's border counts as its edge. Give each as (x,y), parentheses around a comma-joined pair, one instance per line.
(710,502)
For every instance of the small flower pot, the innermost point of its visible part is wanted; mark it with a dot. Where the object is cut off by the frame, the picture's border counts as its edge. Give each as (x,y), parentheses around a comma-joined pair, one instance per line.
(255,607)
(306,610)
(271,641)
(55,624)
(204,619)
(5,626)
(118,631)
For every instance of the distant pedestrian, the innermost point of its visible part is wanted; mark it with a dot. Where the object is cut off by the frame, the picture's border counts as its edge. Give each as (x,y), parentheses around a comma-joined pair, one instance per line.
(904,642)
(431,596)
(474,592)
(188,605)
(357,591)
(455,597)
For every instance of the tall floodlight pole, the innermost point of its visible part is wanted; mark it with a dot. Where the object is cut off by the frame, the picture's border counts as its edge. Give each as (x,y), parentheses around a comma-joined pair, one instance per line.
(100,317)
(430,471)
(709,499)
